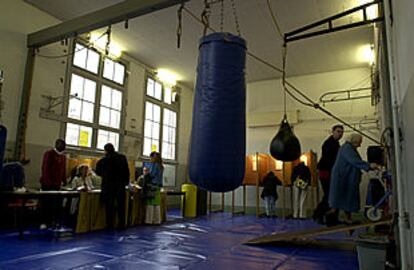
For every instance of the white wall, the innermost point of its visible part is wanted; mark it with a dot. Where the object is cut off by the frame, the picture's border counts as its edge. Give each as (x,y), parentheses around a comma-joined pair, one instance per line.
(49,79)
(13,31)
(401,37)
(313,128)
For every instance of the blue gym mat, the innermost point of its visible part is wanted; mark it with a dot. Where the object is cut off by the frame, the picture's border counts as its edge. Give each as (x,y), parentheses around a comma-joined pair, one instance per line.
(210,242)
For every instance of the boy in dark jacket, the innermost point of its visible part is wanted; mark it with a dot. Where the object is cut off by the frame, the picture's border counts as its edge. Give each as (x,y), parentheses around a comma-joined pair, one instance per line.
(269,193)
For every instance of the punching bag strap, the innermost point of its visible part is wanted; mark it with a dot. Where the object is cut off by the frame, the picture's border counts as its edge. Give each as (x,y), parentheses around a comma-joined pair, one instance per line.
(205,16)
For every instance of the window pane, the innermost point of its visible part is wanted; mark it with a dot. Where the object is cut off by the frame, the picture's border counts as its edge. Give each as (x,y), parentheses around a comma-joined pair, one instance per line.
(106,96)
(78,135)
(87,112)
(148,129)
(158,90)
(85,136)
(108,71)
(74,110)
(79,59)
(89,91)
(148,110)
(165,134)
(105,137)
(72,134)
(119,73)
(155,131)
(172,135)
(167,95)
(114,139)
(115,119)
(104,116)
(174,119)
(157,114)
(147,147)
(92,61)
(102,139)
(116,100)
(76,86)
(150,87)
(167,117)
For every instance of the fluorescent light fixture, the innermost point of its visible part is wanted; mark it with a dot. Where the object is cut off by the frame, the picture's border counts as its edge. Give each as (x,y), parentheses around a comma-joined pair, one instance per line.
(167,77)
(99,42)
(366,54)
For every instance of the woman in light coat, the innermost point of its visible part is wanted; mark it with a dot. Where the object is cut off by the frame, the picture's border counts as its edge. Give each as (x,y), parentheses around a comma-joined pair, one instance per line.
(346,176)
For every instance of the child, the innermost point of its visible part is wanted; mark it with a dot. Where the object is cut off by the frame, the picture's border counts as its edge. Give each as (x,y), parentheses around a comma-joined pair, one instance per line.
(269,193)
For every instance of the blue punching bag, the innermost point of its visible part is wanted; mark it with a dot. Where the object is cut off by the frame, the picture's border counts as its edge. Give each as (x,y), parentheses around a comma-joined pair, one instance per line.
(218,138)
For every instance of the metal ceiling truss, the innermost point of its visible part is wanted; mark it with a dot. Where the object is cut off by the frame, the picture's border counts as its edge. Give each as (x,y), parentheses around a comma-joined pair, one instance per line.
(328,23)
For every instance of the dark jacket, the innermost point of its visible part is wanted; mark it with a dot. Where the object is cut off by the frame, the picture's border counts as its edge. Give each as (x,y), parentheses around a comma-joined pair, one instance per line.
(301,171)
(330,150)
(270,183)
(114,172)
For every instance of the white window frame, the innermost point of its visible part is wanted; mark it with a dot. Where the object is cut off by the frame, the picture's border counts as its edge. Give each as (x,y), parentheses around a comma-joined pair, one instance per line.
(100,82)
(174,106)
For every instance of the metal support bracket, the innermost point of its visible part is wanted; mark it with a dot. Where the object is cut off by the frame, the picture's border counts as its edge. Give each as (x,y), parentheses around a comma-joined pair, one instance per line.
(329,23)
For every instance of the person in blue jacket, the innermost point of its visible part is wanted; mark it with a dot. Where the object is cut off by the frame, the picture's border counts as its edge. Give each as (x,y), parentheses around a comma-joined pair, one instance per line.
(156,170)
(345,178)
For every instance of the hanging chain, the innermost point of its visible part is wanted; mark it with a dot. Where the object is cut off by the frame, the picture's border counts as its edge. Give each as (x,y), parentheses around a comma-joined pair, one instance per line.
(236,20)
(284,55)
(205,16)
(222,16)
(180,24)
(108,41)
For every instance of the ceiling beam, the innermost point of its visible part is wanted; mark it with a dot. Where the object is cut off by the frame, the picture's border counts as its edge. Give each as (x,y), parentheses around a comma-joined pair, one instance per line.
(123,11)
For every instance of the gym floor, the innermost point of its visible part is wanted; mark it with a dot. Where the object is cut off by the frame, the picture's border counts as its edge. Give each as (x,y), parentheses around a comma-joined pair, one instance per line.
(211,242)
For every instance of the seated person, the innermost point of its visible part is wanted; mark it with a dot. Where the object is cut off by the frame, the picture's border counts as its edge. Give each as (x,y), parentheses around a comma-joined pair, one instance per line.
(84,179)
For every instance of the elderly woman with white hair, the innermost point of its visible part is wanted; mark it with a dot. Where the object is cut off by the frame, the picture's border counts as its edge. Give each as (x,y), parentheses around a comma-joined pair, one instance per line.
(345,179)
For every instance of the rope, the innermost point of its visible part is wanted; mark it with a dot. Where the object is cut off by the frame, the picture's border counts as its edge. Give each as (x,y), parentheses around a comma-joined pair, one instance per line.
(284,55)
(205,17)
(180,24)
(221,15)
(274,20)
(236,20)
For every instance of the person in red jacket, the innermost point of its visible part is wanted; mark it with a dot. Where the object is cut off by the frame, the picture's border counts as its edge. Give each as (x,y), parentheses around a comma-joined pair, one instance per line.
(54,167)
(52,178)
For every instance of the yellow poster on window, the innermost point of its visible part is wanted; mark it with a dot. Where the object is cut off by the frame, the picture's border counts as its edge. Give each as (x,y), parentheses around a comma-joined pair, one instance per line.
(84,138)
(153,147)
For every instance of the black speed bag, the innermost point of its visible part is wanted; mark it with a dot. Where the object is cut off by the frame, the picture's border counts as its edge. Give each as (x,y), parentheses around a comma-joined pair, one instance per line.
(285,146)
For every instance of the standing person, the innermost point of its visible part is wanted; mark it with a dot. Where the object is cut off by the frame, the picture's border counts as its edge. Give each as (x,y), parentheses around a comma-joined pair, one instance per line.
(113,168)
(301,177)
(156,170)
(330,150)
(52,178)
(346,177)
(269,193)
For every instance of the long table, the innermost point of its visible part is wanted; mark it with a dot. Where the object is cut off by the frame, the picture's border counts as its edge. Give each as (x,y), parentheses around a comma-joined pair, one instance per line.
(31,194)
(91,212)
